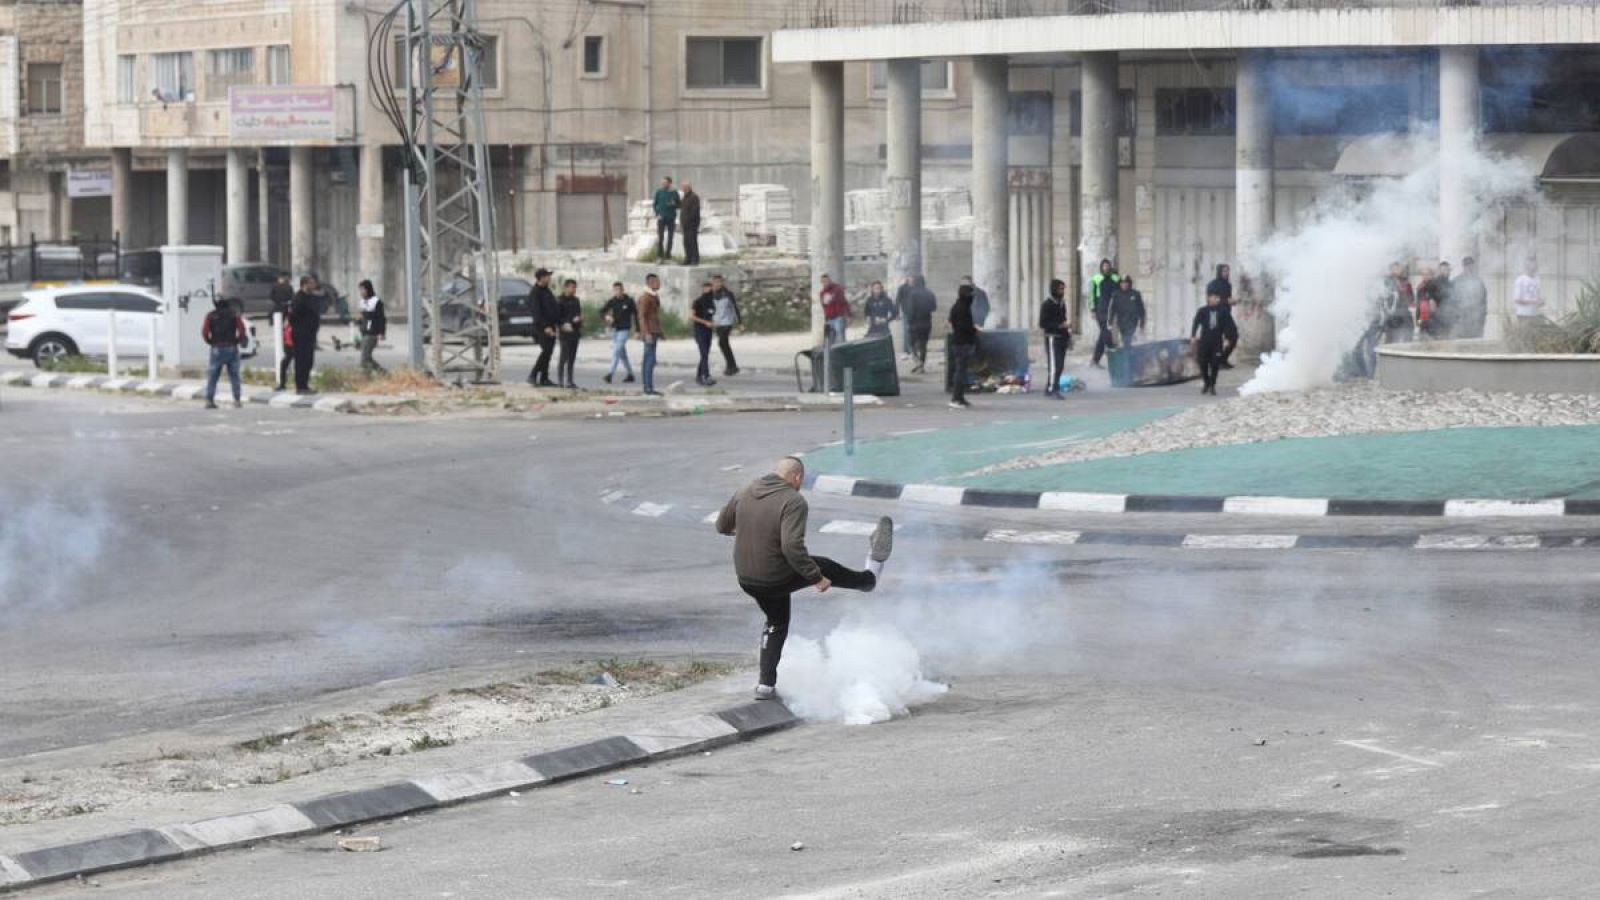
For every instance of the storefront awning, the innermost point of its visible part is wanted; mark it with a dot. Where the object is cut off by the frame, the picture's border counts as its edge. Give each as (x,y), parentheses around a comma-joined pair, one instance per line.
(1549,156)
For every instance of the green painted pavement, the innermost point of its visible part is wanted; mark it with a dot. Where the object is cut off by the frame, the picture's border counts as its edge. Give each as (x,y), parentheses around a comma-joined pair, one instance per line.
(936,456)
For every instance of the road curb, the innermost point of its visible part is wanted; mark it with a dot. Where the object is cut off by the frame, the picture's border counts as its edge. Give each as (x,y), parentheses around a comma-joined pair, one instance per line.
(145,846)
(1077,502)
(191,390)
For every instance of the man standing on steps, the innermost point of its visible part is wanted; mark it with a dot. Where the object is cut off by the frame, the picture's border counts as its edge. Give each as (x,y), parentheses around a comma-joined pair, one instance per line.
(767,520)
(546,325)
(650,331)
(689,220)
(666,208)
(1057,336)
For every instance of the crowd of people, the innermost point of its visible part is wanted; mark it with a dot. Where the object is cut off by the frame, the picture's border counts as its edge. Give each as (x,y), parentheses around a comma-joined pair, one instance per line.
(1435,304)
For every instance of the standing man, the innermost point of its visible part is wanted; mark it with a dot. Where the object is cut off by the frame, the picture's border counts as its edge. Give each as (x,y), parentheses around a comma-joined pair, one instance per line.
(374,325)
(1212,331)
(305,318)
(1057,336)
(902,305)
(963,344)
(223,330)
(1398,301)
(767,520)
(650,331)
(1526,301)
(980,302)
(835,309)
(919,322)
(666,208)
(1101,286)
(546,325)
(879,311)
(1222,286)
(703,315)
(570,315)
(619,313)
(282,297)
(1470,296)
(689,209)
(1126,313)
(724,317)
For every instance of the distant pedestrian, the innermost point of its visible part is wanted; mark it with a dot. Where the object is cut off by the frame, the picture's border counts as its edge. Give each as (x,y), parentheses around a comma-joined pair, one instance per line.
(1471,299)
(902,305)
(305,318)
(1125,315)
(619,312)
(1101,286)
(767,520)
(703,316)
(689,222)
(921,305)
(1398,304)
(1211,333)
(282,297)
(374,325)
(725,318)
(835,309)
(1527,303)
(569,310)
(546,327)
(1222,286)
(1057,336)
(963,345)
(650,331)
(224,331)
(879,311)
(980,302)
(665,204)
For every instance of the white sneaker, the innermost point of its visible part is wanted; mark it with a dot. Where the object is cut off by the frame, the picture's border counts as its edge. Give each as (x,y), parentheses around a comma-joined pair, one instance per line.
(766,692)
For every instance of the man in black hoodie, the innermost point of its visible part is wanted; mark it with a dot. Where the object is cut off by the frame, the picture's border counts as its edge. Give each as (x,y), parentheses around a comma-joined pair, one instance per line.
(689,224)
(1057,336)
(767,520)
(703,315)
(305,318)
(1212,333)
(1222,286)
(963,340)
(1126,313)
(546,325)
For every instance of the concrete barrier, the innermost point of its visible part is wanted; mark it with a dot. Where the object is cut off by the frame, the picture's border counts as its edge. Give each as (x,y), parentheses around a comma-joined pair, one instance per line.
(1485,365)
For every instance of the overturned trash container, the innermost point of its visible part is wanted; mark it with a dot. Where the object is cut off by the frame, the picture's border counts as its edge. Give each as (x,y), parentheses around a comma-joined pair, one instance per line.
(1001,357)
(872,360)
(1152,363)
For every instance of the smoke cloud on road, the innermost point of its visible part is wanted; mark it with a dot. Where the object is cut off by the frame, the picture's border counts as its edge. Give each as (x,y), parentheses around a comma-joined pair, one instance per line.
(50,539)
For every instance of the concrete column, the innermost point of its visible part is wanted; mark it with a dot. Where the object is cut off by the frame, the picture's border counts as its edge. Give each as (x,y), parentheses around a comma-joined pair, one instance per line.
(238,191)
(827,181)
(991,237)
(904,139)
(63,208)
(1016,262)
(1101,115)
(1253,159)
(177,196)
(122,194)
(263,209)
(1459,125)
(301,231)
(371,202)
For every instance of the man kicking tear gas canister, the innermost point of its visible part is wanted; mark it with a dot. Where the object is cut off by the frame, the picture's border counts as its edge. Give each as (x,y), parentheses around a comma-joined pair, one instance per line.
(768,522)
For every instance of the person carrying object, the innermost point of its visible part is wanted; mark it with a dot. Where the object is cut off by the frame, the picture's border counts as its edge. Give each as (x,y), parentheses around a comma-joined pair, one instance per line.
(767,520)
(224,331)
(1057,336)
(619,313)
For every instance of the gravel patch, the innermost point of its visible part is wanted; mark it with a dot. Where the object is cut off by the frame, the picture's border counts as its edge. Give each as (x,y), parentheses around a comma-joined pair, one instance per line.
(1353,408)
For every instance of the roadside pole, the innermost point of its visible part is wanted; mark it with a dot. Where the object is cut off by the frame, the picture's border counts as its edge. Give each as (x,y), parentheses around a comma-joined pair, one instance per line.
(849,411)
(111,343)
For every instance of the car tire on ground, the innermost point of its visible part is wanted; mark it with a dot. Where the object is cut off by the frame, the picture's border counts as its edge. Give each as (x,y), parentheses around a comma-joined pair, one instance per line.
(51,346)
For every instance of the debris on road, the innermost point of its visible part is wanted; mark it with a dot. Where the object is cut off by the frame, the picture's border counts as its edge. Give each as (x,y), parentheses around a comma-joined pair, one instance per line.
(797,846)
(369,843)
(619,782)
(1261,742)
(606,679)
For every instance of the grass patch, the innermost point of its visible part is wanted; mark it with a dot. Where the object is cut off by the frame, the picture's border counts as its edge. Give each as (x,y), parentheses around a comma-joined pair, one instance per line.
(75,364)
(1576,332)
(316,732)
(426,741)
(408,707)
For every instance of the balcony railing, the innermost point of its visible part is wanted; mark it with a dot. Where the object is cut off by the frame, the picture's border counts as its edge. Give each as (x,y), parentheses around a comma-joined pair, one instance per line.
(857,13)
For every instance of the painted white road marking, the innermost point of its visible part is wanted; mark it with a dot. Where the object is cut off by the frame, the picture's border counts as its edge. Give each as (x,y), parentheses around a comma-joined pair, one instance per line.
(848,526)
(710,519)
(833,484)
(1473,508)
(1276,506)
(613,496)
(1240,541)
(1370,747)
(940,494)
(652,510)
(1477,542)
(1008,536)
(1068,501)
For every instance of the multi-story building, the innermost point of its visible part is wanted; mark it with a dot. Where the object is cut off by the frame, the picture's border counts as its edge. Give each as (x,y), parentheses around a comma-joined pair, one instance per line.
(51,187)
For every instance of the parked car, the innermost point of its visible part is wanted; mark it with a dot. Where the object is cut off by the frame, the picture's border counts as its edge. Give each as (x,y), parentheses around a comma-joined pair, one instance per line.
(51,323)
(141,267)
(516,308)
(249,286)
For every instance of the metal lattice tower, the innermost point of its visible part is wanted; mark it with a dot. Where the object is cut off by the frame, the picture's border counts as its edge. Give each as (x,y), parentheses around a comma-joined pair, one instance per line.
(450,250)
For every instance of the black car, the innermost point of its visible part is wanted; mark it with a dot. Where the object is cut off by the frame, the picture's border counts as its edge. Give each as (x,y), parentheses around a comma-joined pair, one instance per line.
(516,307)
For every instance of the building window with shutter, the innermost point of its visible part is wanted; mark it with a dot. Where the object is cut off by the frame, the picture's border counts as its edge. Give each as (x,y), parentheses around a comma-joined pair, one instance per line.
(44,89)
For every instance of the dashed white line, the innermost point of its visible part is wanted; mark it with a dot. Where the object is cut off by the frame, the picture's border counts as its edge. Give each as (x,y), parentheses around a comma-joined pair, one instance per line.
(1276,506)
(1240,541)
(1370,747)
(1071,501)
(1477,542)
(652,510)
(710,519)
(613,496)
(1008,536)
(1477,508)
(848,526)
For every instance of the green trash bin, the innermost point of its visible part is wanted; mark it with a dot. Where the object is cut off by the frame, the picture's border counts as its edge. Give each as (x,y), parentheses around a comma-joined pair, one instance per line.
(872,359)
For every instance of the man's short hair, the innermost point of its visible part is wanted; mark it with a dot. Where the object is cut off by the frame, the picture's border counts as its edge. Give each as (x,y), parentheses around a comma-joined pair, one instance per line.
(789,465)
(1467,261)
(1057,283)
(716,278)
(616,284)
(666,178)
(569,283)
(305,280)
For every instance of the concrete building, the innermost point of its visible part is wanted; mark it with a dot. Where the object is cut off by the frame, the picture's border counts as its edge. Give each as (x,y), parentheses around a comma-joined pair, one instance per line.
(51,187)
(1171,136)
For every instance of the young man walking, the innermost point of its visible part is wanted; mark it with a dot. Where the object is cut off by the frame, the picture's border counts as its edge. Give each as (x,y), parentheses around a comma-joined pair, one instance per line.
(650,331)
(1125,315)
(689,221)
(919,322)
(305,318)
(570,311)
(223,330)
(1222,286)
(1057,336)
(546,325)
(666,204)
(963,344)
(724,318)
(703,315)
(767,520)
(619,312)
(374,325)
(879,311)
(1212,333)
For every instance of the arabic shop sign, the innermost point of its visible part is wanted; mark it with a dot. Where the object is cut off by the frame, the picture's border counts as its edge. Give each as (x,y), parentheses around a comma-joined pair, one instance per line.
(272,115)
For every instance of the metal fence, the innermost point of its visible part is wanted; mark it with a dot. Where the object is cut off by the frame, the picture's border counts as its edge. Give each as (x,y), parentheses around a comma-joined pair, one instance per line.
(856,13)
(79,260)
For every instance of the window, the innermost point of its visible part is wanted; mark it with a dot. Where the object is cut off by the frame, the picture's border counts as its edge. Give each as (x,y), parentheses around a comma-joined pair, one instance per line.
(278,71)
(1125,123)
(490,63)
(84,302)
(127,79)
(44,89)
(1194,111)
(136,303)
(173,77)
(722,63)
(228,68)
(594,56)
(935,77)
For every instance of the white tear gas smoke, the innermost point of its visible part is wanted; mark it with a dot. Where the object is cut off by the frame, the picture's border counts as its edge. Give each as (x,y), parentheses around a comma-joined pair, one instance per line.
(48,541)
(1329,271)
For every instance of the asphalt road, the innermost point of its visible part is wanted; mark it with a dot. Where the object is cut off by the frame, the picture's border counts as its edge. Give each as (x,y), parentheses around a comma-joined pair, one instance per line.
(1428,718)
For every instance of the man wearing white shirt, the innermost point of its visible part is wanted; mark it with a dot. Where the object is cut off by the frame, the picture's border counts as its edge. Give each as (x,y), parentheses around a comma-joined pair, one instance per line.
(1525,299)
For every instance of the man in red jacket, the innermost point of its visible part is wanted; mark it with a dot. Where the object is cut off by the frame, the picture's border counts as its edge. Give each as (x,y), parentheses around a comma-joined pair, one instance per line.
(835,309)
(223,331)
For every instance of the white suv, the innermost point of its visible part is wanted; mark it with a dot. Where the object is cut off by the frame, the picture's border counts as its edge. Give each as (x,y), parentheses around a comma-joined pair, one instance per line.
(65,321)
